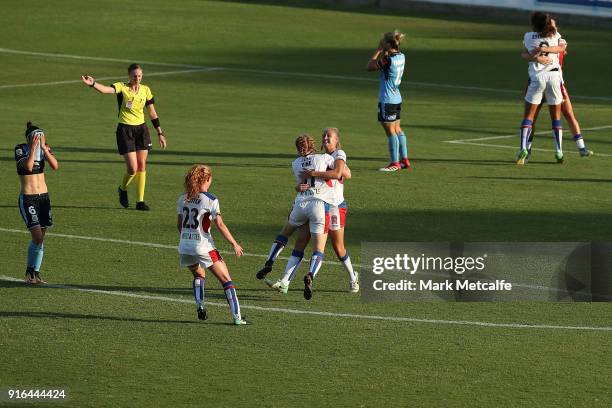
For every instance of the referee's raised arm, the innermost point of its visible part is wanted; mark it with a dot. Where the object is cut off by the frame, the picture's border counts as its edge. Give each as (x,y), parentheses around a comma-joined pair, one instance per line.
(91,82)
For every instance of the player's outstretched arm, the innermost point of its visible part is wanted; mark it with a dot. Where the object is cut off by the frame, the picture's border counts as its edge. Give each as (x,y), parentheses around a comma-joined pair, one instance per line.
(228,235)
(91,82)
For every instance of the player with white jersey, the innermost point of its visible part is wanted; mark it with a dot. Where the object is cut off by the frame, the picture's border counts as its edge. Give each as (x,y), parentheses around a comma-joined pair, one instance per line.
(309,207)
(335,217)
(566,106)
(544,79)
(196,209)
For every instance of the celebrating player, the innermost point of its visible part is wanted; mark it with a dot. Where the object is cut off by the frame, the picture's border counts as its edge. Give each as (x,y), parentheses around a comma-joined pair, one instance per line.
(544,79)
(34,203)
(566,106)
(334,219)
(133,139)
(390,62)
(309,207)
(196,209)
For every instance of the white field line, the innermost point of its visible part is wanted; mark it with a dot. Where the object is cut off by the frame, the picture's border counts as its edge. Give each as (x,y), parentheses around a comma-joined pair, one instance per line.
(472,142)
(74,81)
(327,314)
(284,73)
(164,246)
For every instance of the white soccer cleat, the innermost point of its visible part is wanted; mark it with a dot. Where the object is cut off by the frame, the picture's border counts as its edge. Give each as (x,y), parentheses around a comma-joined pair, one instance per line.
(280,286)
(354,285)
(241,322)
(391,168)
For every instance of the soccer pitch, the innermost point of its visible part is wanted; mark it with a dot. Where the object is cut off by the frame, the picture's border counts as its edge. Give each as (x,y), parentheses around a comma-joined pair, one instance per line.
(235,83)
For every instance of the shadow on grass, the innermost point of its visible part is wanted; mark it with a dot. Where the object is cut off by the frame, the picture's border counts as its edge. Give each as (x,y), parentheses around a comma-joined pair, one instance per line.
(439,225)
(242,163)
(59,315)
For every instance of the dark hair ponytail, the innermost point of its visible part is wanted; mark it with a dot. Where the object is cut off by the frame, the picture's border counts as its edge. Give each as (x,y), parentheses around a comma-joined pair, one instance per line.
(542,24)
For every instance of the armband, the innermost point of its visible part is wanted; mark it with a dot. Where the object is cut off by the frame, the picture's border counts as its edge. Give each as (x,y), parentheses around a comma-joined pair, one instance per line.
(92,85)
(155,122)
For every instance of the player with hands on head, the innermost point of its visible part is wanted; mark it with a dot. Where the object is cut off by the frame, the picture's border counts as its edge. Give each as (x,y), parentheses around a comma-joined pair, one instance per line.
(390,62)
(196,208)
(133,139)
(34,202)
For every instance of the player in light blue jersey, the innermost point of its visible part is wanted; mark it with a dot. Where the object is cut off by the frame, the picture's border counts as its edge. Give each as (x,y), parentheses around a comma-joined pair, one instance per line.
(390,62)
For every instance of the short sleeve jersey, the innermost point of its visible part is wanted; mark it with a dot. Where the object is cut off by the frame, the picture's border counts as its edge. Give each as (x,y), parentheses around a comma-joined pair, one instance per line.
(320,189)
(338,184)
(391,71)
(197,214)
(131,104)
(533,40)
(22,151)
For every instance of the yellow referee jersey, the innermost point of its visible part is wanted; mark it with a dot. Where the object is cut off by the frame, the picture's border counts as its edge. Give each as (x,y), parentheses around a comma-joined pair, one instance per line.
(131,104)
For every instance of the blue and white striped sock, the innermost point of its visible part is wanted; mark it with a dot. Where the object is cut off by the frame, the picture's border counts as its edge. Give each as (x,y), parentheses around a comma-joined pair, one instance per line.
(526,126)
(232,299)
(35,256)
(198,290)
(557,129)
(530,138)
(315,263)
(292,266)
(277,247)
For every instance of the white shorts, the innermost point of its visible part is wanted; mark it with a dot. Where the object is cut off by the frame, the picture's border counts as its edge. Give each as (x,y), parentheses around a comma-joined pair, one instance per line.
(312,211)
(205,261)
(546,84)
(335,219)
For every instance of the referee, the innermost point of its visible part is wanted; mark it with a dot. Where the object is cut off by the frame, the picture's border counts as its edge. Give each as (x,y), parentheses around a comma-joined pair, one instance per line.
(133,139)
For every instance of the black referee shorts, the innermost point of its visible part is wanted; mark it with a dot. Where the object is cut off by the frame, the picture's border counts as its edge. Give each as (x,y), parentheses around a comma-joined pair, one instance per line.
(132,138)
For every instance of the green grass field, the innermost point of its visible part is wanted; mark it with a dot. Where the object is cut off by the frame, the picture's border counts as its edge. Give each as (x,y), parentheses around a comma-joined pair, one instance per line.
(117,327)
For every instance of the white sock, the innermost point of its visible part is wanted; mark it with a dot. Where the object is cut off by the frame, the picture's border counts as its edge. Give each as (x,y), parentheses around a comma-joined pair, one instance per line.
(346,261)
(315,263)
